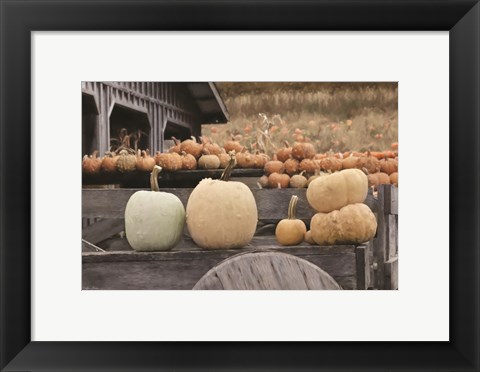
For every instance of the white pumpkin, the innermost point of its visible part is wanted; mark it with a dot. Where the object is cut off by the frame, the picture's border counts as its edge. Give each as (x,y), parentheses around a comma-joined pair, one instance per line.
(154,220)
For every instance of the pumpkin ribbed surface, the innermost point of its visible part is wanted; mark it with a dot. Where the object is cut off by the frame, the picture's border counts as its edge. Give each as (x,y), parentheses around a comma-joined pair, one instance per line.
(154,221)
(352,224)
(335,191)
(221,215)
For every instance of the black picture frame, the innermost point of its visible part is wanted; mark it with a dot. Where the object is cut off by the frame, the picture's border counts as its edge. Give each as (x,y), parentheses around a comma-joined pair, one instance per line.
(461,18)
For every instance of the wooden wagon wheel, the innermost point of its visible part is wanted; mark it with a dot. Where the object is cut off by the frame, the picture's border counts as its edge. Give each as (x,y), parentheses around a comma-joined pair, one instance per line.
(266,270)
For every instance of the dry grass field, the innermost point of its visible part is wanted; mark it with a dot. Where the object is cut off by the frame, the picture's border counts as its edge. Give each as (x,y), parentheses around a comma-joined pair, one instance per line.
(335,117)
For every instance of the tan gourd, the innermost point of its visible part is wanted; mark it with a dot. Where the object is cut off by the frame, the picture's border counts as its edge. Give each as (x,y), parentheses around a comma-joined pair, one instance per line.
(337,190)
(298,181)
(263,182)
(127,161)
(221,214)
(291,231)
(208,161)
(352,224)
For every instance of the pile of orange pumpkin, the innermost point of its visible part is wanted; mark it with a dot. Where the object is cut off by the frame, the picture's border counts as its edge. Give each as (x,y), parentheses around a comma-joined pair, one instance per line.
(184,155)
(298,165)
(291,166)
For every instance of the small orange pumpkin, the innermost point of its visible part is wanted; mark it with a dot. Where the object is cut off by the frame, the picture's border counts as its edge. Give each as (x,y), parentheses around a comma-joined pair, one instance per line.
(278,180)
(303,150)
(192,147)
(284,153)
(91,164)
(109,162)
(176,147)
(169,161)
(188,161)
(145,162)
(291,231)
(331,163)
(274,166)
(388,165)
(291,166)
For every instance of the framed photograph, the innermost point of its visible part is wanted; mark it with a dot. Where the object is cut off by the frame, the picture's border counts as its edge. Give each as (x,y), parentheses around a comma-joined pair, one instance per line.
(134,80)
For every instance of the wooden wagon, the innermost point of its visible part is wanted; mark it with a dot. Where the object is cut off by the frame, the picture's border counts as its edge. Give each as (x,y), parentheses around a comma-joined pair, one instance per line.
(373,265)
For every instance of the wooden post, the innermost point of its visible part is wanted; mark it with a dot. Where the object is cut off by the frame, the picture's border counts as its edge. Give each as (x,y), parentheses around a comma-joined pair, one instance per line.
(385,242)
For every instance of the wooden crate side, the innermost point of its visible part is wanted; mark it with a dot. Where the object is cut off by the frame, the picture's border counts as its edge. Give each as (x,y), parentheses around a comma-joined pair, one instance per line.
(385,245)
(391,274)
(390,204)
(363,266)
(182,269)
(272,205)
(103,229)
(392,245)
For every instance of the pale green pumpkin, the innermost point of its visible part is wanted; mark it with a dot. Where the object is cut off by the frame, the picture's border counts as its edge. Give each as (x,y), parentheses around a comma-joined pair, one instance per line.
(154,220)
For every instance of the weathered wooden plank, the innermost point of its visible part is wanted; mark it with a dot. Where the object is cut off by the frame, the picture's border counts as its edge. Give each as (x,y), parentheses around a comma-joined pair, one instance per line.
(392,236)
(144,275)
(89,247)
(165,270)
(379,242)
(187,247)
(362,266)
(272,204)
(103,229)
(268,270)
(391,274)
(390,194)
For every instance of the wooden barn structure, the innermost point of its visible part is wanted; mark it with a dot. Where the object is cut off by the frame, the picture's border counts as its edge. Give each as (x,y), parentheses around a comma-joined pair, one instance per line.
(159,109)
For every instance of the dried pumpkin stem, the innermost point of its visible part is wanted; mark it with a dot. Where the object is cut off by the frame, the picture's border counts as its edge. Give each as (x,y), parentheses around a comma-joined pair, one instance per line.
(228,170)
(292,207)
(154,178)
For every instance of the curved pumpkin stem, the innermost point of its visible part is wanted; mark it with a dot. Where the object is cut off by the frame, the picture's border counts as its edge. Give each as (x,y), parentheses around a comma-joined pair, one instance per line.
(292,207)
(154,178)
(228,170)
